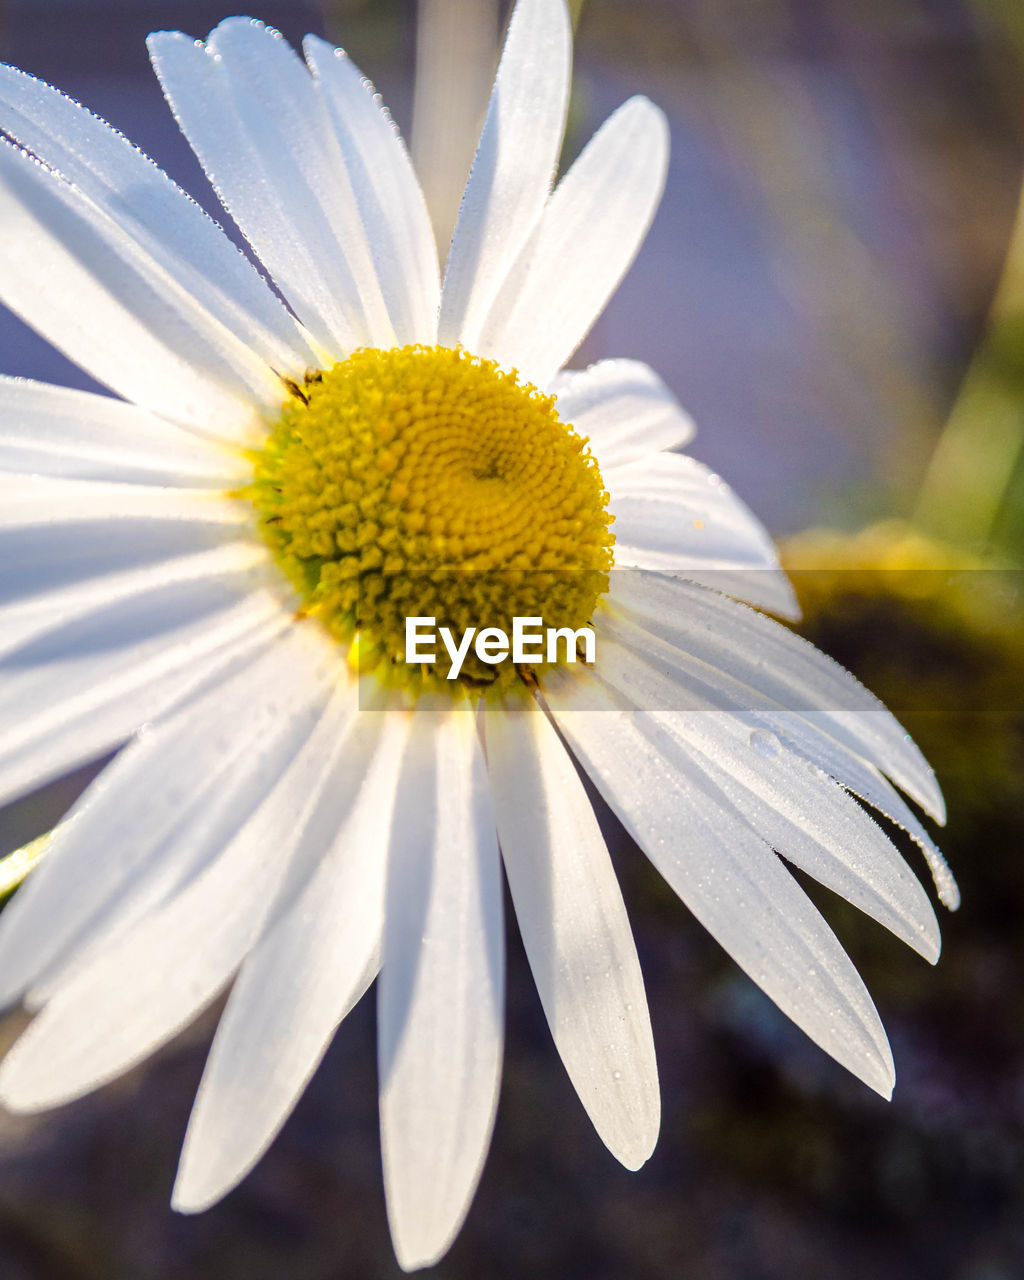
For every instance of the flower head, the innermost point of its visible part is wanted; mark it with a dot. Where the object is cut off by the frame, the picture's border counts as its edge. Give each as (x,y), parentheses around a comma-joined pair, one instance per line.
(214,569)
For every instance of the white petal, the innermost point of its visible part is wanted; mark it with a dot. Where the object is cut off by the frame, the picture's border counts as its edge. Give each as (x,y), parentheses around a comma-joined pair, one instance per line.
(514,166)
(391,203)
(728,877)
(170,226)
(679,680)
(777,671)
(75,275)
(624,408)
(792,805)
(157,815)
(584,243)
(674,515)
(251,113)
(302,978)
(865,781)
(60,433)
(139,991)
(57,532)
(80,690)
(811,820)
(441,989)
(102,530)
(575,929)
(26,619)
(28,502)
(767,589)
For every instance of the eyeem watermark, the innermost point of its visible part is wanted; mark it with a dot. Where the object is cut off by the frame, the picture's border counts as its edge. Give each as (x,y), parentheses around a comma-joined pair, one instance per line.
(531,641)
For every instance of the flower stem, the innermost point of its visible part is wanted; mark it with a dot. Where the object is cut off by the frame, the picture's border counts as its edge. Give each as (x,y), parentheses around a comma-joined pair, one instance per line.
(970,478)
(971,470)
(456,52)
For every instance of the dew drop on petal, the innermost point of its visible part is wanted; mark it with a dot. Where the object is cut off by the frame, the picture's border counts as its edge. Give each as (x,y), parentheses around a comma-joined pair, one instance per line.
(764,742)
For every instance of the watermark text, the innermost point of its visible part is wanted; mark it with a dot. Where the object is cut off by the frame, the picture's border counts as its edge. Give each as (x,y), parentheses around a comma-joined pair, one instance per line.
(530,642)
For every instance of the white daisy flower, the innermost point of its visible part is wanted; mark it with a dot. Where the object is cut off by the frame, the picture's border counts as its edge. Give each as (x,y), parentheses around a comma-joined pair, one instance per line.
(195,568)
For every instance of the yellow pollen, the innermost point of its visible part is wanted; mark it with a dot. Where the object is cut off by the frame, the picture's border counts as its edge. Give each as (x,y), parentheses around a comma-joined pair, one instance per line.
(426,482)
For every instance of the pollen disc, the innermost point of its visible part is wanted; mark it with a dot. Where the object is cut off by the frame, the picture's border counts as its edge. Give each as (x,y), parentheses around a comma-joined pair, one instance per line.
(426,482)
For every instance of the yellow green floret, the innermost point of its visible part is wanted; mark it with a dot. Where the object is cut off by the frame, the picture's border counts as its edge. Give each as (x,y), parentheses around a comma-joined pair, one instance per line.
(424,481)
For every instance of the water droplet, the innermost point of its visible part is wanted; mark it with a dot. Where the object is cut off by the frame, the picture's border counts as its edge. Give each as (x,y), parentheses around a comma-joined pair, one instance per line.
(764,742)
(616,1075)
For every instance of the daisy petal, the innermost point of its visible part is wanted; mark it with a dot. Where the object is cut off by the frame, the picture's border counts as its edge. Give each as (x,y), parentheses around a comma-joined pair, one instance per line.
(31,502)
(623,408)
(24,620)
(729,878)
(157,815)
(154,211)
(251,113)
(865,781)
(386,189)
(793,806)
(810,819)
(54,532)
(133,996)
(307,971)
(767,589)
(674,515)
(64,434)
(678,678)
(80,690)
(575,929)
(441,989)
(780,670)
(515,162)
(584,243)
(40,554)
(73,274)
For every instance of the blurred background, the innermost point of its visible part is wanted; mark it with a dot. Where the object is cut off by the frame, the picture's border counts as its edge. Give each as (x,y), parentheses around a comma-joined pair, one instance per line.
(835,289)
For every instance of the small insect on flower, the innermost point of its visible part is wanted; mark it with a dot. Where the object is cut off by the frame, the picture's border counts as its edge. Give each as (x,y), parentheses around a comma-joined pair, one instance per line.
(228,549)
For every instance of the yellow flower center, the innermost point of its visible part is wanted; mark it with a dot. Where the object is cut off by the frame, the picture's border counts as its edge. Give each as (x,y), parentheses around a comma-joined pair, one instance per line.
(425,482)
